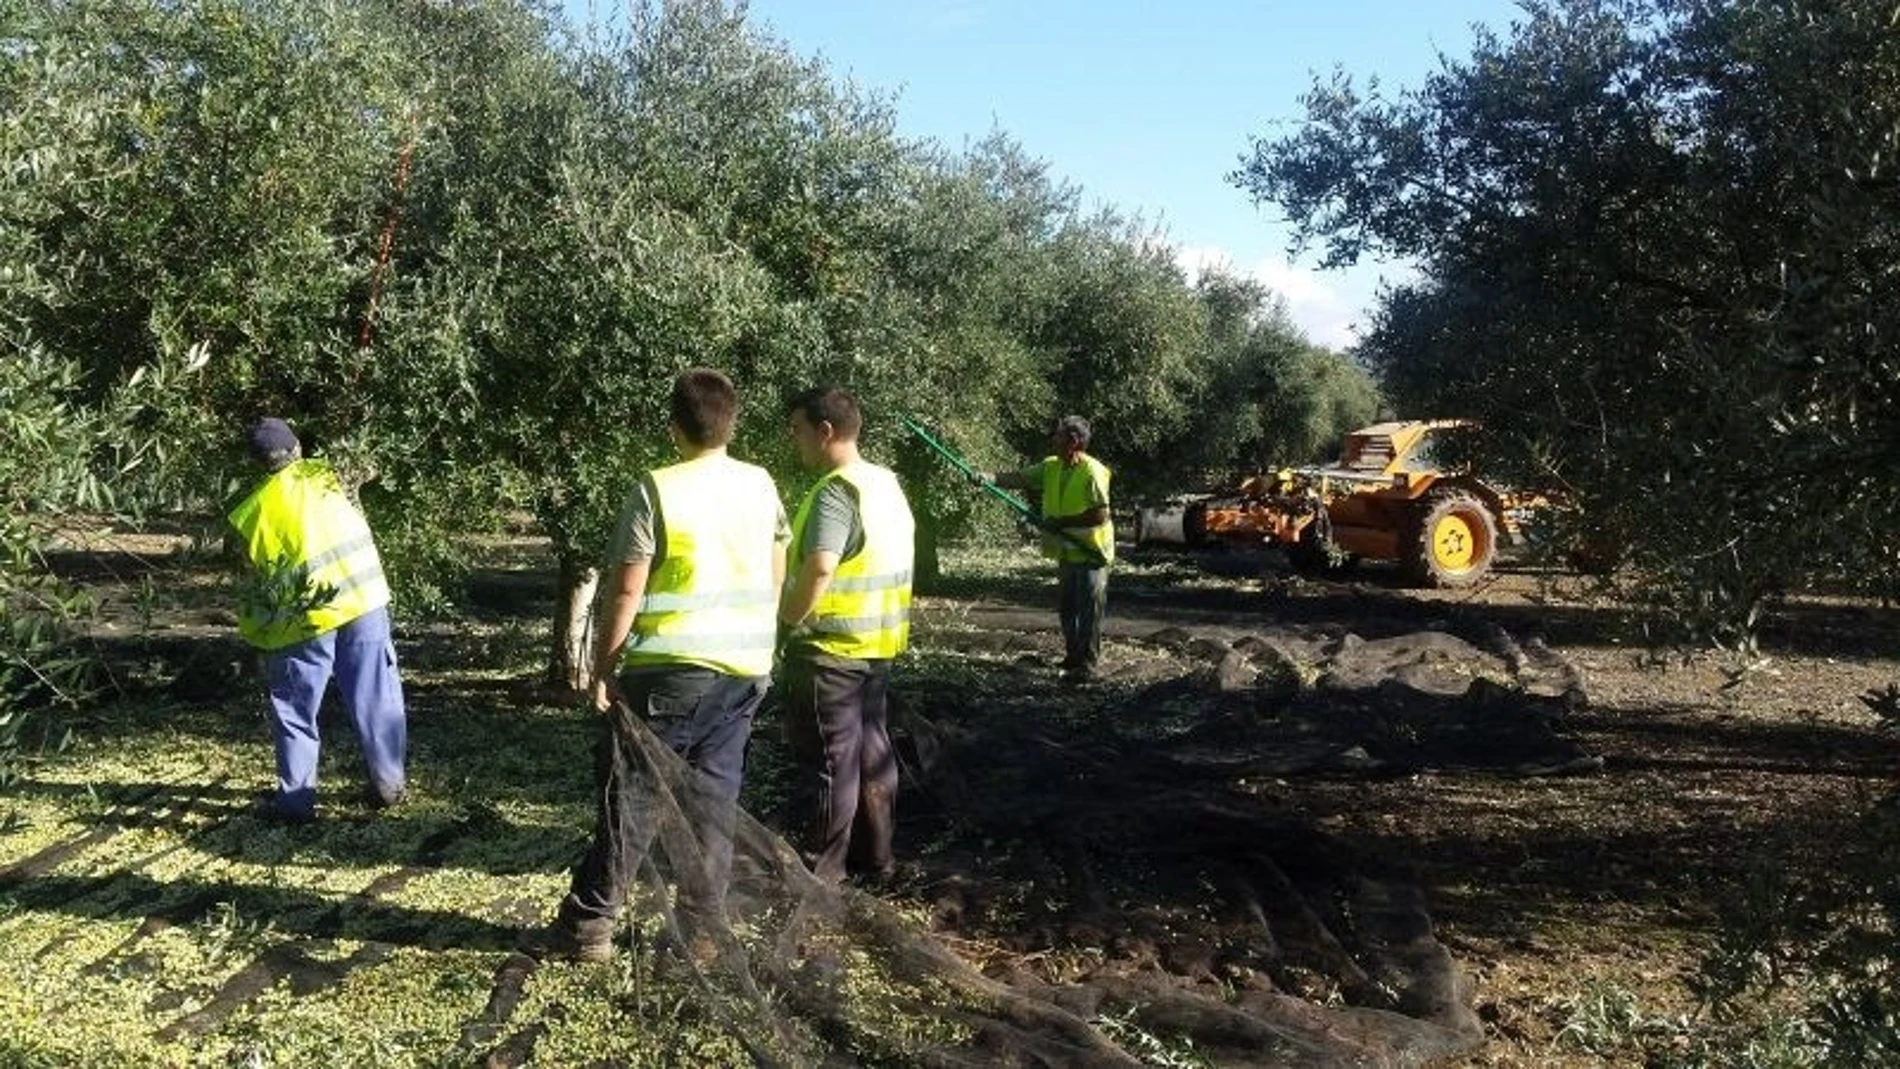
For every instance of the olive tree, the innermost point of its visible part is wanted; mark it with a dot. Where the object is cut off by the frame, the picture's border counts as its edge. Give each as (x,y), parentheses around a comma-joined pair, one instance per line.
(1655,239)
(59,119)
(1264,393)
(465,250)
(963,259)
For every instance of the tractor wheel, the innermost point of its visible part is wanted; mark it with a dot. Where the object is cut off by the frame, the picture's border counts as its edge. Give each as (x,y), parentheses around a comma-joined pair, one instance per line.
(1314,552)
(1451,540)
(1194,524)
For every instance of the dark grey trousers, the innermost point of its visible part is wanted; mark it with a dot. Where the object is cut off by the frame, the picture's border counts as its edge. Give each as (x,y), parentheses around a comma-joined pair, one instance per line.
(1082,602)
(836,719)
(705,718)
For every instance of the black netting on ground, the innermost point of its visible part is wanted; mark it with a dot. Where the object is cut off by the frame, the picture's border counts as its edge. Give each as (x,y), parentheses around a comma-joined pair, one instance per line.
(1116,876)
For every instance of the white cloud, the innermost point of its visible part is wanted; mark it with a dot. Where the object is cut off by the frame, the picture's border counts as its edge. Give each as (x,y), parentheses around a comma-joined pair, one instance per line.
(1327,306)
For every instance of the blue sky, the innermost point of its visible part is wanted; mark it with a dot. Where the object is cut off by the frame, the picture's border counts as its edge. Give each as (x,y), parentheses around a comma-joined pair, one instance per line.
(1143,104)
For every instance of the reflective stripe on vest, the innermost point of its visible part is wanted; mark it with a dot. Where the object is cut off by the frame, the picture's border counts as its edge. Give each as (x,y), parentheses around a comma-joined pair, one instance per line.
(314,564)
(1065,492)
(710,600)
(864,612)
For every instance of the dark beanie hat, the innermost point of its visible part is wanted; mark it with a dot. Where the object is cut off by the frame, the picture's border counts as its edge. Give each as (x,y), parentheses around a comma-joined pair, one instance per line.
(273,443)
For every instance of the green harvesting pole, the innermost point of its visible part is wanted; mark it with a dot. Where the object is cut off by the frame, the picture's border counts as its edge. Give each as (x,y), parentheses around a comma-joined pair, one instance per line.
(1017,504)
(976,478)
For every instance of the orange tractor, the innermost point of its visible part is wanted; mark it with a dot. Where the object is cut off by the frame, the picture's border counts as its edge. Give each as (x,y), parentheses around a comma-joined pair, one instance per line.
(1386,498)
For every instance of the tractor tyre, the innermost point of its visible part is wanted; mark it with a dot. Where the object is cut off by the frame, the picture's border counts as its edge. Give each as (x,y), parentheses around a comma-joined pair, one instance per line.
(1194,524)
(1314,552)
(1451,540)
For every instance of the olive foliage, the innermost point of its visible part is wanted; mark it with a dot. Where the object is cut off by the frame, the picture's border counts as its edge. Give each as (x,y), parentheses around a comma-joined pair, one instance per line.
(466,247)
(1658,242)
(1280,399)
(58,453)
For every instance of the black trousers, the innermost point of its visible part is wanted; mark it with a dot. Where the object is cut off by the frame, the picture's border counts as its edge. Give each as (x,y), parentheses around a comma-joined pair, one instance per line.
(836,717)
(704,718)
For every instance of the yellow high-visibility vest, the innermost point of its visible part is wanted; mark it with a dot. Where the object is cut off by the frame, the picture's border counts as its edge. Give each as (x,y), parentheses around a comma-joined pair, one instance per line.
(711,600)
(864,612)
(1065,492)
(315,564)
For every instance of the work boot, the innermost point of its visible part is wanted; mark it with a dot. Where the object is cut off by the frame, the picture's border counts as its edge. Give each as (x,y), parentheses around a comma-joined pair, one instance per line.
(701,940)
(377,797)
(561,942)
(271,809)
(890,878)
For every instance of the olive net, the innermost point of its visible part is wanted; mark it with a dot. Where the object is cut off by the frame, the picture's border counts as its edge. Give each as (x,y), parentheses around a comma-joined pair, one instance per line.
(1113,875)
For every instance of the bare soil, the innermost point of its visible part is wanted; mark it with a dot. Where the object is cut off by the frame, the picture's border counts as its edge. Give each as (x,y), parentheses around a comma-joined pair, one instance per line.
(1706,773)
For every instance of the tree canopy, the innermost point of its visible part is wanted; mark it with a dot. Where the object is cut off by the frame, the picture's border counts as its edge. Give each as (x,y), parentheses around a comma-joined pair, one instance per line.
(1657,239)
(465,247)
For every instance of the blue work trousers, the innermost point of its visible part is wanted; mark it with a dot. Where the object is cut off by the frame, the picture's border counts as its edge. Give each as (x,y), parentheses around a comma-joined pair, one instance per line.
(362,658)
(705,718)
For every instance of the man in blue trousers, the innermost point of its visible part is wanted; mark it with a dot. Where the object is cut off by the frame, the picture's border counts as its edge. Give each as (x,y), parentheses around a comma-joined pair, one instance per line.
(317,606)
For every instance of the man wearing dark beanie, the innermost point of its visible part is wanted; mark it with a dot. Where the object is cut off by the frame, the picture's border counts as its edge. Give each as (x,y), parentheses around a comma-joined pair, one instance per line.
(273,443)
(317,607)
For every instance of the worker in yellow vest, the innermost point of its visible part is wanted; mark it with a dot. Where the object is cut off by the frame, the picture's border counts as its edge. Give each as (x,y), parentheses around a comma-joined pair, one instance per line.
(316,604)
(846,615)
(684,640)
(1077,532)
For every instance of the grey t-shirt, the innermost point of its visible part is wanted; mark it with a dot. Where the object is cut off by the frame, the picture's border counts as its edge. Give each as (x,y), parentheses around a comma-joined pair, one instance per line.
(834,525)
(640,530)
(635,535)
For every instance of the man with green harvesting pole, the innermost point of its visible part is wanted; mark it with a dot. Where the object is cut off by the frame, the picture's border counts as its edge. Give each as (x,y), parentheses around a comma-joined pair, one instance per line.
(1076,531)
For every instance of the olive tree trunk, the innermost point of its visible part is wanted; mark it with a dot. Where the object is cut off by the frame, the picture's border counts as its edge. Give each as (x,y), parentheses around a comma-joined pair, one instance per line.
(570,657)
(926,566)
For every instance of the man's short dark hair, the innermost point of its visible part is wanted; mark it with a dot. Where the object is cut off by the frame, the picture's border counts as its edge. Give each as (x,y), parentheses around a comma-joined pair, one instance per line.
(830,404)
(1072,429)
(705,405)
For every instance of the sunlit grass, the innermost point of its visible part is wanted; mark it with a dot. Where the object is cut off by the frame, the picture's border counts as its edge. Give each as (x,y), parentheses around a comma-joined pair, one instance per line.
(133,944)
